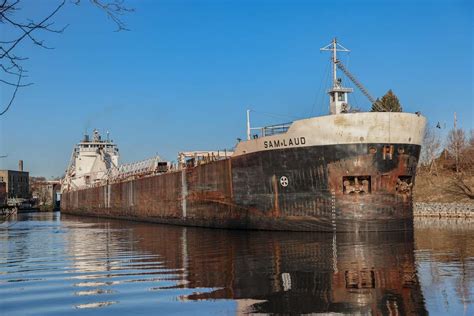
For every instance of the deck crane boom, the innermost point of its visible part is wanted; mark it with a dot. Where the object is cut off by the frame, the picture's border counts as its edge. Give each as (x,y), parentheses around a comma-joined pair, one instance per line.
(359,85)
(338,94)
(355,81)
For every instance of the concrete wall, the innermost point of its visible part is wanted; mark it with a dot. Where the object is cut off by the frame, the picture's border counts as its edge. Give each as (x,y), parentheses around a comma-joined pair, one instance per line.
(455,210)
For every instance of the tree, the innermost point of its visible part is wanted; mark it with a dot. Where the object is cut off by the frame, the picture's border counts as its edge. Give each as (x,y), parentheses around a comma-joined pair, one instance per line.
(19,30)
(377,106)
(388,103)
(471,139)
(463,152)
(430,150)
(456,144)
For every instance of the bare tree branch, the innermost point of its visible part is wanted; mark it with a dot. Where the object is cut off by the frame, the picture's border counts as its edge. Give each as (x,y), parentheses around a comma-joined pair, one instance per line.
(17,86)
(30,29)
(430,150)
(27,29)
(114,10)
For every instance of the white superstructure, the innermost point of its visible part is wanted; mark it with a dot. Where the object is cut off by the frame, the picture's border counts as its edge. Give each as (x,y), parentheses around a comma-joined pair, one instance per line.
(96,162)
(91,161)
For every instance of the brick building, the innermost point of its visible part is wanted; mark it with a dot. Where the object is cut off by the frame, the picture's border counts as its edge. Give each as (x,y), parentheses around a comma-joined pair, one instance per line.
(17,182)
(3,193)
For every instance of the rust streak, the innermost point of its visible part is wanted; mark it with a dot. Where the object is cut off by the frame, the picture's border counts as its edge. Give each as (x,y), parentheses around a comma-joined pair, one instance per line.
(276,206)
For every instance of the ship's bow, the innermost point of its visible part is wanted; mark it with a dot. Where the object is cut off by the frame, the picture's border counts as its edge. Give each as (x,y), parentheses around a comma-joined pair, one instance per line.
(348,172)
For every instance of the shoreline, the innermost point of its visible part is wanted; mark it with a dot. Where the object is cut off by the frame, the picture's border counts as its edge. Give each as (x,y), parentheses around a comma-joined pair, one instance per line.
(443,210)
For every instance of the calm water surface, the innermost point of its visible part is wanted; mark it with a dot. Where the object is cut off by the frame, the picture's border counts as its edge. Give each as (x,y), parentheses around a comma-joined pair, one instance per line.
(52,264)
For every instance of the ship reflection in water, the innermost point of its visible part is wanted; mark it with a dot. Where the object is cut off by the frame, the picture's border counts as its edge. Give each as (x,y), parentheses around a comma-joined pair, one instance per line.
(58,265)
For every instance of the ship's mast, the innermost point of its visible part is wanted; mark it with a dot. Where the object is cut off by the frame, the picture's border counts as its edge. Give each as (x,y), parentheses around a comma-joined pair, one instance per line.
(338,94)
(334,47)
(334,62)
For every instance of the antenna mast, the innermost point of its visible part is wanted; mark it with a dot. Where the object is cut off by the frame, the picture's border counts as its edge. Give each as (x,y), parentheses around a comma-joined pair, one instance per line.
(338,101)
(248,125)
(334,47)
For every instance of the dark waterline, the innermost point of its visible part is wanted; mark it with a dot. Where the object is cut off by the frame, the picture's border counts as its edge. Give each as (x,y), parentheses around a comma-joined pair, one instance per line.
(52,264)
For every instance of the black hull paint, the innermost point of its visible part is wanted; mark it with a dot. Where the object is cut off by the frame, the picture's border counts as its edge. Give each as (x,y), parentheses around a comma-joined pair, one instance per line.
(248,192)
(315,193)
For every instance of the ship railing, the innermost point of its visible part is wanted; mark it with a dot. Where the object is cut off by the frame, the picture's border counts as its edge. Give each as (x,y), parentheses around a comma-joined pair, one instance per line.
(276,129)
(138,169)
(94,149)
(270,130)
(82,149)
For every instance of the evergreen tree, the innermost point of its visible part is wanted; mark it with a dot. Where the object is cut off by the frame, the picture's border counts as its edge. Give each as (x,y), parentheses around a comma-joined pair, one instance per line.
(388,103)
(377,106)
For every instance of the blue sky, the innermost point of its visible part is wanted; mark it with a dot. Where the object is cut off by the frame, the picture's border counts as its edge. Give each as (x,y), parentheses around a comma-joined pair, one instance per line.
(183,76)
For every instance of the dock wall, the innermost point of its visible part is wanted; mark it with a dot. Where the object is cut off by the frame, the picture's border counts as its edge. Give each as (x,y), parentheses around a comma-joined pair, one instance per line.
(448,210)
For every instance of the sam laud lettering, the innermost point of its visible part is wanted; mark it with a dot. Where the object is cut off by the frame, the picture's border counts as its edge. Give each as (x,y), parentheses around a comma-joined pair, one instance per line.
(285,142)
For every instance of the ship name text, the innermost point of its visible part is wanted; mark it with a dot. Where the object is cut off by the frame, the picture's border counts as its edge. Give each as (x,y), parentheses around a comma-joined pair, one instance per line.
(294,141)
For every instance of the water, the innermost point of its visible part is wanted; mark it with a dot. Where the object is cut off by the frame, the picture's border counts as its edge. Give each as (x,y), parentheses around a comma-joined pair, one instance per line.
(52,264)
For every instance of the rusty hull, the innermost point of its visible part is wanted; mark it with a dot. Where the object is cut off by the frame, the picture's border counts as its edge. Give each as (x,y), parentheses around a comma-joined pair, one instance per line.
(348,187)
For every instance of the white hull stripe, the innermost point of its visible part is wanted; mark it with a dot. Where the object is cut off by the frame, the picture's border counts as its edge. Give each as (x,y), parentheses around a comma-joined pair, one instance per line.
(350,128)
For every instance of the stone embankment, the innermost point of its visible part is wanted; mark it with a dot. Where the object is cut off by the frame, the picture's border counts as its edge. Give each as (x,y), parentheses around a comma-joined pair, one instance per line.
(452,210)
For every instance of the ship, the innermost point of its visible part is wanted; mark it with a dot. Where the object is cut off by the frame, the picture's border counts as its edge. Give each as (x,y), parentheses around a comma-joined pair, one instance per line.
(347,171)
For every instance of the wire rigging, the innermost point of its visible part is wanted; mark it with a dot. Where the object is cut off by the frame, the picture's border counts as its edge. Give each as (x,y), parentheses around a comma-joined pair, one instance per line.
(319,94)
